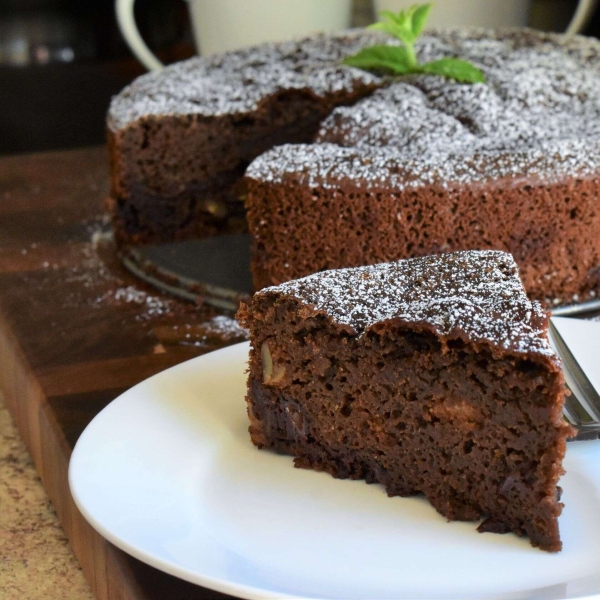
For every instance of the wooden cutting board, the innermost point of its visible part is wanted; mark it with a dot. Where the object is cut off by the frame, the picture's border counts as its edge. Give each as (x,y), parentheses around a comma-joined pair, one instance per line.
(76,330)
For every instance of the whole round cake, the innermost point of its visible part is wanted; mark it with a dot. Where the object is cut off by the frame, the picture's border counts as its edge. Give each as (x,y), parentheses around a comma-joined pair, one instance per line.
(355,168)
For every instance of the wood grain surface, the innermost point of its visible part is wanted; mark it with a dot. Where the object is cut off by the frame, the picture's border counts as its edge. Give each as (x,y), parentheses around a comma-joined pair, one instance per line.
(76,330)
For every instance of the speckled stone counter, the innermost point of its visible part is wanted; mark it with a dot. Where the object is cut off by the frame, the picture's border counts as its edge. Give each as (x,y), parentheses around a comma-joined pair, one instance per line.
(36,560)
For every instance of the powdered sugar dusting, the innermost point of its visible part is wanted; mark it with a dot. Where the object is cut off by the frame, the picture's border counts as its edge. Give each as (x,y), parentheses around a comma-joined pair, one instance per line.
(536,90)
(474,293)
(153,306)
(537,115)
(226,326)
(236,82)
(329,165)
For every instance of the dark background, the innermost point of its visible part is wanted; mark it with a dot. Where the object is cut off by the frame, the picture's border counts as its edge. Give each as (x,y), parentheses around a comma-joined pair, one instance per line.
(62,60)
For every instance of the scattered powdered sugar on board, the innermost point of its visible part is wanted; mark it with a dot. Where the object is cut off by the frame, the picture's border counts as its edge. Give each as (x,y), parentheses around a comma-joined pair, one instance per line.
(92,273)
(153,306)
(221,328)
(226,326)
(474,293)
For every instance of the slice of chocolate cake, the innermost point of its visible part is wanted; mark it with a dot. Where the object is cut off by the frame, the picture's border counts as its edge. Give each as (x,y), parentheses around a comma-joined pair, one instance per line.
(431,375)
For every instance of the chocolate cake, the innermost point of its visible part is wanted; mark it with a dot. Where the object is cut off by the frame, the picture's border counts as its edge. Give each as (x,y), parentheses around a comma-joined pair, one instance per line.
(428,165)
(430,375)
(395,168)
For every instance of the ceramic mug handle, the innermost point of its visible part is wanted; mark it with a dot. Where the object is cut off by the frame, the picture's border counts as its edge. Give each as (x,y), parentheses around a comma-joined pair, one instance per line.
(128,27)
(585,9)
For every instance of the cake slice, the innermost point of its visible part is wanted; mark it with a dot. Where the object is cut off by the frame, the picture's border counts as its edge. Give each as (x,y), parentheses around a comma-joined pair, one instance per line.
(431,375)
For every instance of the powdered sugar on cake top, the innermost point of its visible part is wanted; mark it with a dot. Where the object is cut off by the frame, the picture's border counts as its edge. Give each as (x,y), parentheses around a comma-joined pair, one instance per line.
(329,165)
(537,89)
(538,114)
(236,82)
(474,293)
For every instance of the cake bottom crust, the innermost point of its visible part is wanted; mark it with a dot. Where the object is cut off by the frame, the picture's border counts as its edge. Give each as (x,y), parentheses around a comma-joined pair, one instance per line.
(317,458)
(285,431)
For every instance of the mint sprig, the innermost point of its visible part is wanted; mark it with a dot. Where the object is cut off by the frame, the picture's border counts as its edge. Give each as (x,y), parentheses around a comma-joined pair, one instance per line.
(454,68)
(406,26)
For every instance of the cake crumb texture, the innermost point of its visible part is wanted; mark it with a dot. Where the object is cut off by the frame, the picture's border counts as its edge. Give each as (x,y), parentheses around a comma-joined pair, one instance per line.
(429,376)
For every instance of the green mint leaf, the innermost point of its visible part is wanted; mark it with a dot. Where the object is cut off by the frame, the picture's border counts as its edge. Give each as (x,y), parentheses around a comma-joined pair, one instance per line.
(387,27)
(397,18)
(454,68)
(398,25)
(384,58)
(406,26)
(419,19)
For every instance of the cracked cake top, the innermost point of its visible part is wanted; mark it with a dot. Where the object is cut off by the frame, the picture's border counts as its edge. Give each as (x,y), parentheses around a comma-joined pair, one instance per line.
(477,294)
(539,87)
(538,114)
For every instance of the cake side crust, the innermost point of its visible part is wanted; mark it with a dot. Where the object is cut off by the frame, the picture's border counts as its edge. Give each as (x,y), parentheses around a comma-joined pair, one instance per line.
(381,207)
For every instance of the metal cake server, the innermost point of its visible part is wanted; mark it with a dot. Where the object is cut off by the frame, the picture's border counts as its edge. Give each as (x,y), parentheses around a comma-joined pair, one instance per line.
(582,407)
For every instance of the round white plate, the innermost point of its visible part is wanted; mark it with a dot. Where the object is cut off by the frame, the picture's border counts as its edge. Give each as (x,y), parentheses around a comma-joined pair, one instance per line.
(168,474)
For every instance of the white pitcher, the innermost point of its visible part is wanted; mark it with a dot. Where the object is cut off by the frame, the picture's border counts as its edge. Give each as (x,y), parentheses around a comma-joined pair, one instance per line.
(221,25)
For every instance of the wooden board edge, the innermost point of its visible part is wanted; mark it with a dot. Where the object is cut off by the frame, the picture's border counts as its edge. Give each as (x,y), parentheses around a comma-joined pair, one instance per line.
(104,566)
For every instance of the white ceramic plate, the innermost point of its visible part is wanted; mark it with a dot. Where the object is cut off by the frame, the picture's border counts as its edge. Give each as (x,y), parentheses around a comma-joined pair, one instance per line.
(167,473)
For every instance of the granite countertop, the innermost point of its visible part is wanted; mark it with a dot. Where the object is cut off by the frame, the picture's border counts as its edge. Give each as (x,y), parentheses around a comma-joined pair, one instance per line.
(36,560)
